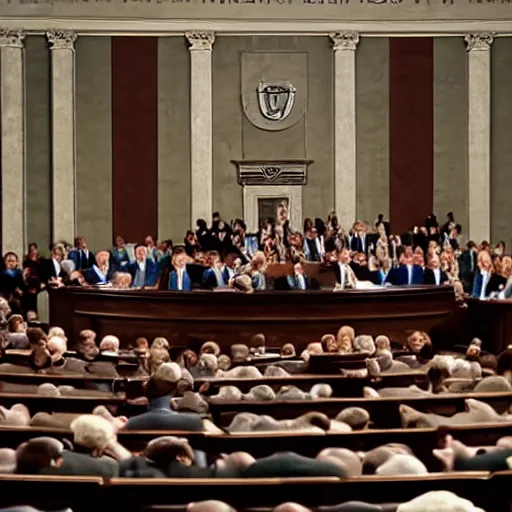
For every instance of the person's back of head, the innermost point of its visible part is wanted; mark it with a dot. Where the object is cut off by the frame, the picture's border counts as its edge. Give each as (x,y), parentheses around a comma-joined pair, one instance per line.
(210,506)
(37,454)
(166,449)
(7,460)
(291,507)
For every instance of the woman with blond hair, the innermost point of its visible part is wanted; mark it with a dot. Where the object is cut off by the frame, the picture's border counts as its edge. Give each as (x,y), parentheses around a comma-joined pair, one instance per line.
(486,280)
(258,267)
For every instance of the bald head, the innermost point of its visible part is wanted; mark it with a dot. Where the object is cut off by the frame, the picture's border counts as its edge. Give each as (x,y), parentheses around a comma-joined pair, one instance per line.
(57,346)
(18,415)
(7,460)
(210,506)
(291,507)
(344,458)
(109,343)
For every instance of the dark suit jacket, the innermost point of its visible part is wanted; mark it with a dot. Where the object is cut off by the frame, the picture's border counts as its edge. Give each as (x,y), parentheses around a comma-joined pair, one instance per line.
(362,273)
(173,281)
(293,282)
(399,275)
(288,464)
(10,281)
(83,465)
(356,244)
(493,284)
(80,260)
(210,279)
(430,278)
(466,270)
(152,271)
(48,270)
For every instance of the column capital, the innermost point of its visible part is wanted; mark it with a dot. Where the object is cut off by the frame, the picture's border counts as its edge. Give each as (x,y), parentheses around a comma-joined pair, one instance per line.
(61,39)
(11,38)
(200,40)
(344,40)
(479,41)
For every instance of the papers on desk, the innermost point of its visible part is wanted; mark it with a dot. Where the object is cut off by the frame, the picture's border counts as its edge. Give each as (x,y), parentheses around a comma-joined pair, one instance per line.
(368,285)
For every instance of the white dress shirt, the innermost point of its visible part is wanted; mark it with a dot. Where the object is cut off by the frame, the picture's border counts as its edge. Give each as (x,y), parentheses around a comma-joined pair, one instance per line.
(301,281)
(437,275)
(409,274)
(343,274)
(179,272)
(56,266)
(142,265)
(485,281)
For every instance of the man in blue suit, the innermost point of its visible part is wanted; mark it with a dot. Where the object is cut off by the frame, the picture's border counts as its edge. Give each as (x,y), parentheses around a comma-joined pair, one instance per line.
(80,255)
(299,281)
(145,272)
(213,277)
(407,273)
(179,280)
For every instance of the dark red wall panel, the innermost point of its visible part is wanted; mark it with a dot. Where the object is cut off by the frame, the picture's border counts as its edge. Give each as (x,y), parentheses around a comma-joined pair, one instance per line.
(411,127)
(135,136)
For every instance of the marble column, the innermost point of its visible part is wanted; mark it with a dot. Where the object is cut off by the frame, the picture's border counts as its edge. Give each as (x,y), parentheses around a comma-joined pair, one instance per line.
(201,159)
(13,142)
(479,135)
(344,48)
(63,134)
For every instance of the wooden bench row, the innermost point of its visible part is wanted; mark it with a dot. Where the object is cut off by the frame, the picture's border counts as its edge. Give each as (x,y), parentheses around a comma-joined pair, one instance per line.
(384,412)
(213,441)
(89,493)
(342,386)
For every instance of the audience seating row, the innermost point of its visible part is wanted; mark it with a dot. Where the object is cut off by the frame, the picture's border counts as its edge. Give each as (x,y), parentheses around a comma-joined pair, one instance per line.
(421,441)
(127,494)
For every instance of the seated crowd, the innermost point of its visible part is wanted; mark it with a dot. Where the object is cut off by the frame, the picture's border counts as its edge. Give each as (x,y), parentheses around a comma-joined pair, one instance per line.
(225,257)
(181,395)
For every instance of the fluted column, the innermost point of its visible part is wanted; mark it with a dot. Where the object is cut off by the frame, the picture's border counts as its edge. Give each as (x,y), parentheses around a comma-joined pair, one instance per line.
(201,161)
(63,134)
(13,141)
(479,135)
(344,48)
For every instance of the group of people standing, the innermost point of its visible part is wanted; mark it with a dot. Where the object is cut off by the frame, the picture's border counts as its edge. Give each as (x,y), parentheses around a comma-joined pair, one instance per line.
(224,255)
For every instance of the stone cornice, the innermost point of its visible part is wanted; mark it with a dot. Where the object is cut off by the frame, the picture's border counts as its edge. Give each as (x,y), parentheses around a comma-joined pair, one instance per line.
(61,39)
(154,27)
(200,40)
(481,41)
(344,40)
(11,38)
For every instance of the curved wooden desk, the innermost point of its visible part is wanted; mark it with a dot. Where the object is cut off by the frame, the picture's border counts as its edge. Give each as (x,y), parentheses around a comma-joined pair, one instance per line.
(230,317)
(491,321)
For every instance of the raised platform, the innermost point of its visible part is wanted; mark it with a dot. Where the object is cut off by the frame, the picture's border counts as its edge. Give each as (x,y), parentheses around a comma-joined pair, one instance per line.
(491,321)
(230,317)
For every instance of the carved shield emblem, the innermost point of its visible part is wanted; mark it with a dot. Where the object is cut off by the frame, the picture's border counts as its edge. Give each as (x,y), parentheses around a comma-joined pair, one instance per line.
(271,173)
(274,88)
(276,100)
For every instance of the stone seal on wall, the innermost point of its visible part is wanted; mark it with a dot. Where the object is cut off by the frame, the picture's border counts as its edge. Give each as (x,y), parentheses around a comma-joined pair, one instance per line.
(274,88)
(276,100)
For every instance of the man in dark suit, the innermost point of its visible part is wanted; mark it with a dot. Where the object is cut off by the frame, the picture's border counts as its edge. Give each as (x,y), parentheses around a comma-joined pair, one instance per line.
(81,256)
(467,266)
(358,241)
(407,273)
(359,265)
(433,273)
(145,271)
(213,277)
(299,280)
(51,270)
